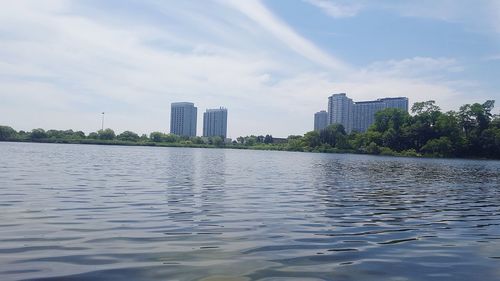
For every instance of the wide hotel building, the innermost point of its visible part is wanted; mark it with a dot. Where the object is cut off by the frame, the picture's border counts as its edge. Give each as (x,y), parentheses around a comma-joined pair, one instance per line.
(358,116)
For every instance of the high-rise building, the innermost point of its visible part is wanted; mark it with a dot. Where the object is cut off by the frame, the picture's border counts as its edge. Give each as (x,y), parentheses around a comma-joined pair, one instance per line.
(183,119)
(364,111)
(399,102)
(320,120)
(364,114)
(340,110)
(215,122)
(358,116)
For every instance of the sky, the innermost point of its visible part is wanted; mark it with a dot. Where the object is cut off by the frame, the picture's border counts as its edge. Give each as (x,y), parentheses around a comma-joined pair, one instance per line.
(272,63)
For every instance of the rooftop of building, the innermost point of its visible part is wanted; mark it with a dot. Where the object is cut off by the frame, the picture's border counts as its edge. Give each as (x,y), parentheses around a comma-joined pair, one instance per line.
(216,109)
(394,98)
(182,103)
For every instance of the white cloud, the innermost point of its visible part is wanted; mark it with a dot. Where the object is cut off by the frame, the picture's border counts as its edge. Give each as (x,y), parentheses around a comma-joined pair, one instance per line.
(336,10)
(492,58)
(262,16)
(417,67)
(61,67)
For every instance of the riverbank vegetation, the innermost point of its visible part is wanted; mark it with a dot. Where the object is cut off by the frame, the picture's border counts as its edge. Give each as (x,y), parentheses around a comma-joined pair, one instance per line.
(471,132)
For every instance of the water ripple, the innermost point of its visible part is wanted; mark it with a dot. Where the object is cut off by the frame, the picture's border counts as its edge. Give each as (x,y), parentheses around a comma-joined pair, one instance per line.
(79,212)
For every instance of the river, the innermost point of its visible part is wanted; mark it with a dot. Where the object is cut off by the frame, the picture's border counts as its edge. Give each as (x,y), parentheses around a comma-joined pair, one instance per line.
(88,212)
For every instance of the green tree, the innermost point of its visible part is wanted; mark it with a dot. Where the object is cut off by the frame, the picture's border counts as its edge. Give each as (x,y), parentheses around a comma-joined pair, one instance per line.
(295,144)
(422,126)
(55,134)
(312,139)
(106,134)
(441,147)
(268,139)
(171,138)
(334,135)
(390,118)
(217,141)
(93,136)
(7,133)
(425,107)
(197,140)
(128,136)
(79,135)
(38,134)
(250,140)
(156,136)
(490,142)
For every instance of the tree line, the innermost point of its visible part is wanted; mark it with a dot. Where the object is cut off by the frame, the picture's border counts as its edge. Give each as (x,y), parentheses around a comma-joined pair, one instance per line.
(471,132)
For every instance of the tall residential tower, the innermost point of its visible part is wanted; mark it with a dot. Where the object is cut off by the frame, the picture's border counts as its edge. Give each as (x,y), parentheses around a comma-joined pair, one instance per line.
(340,110)
(320,120)
(183,119)
(215,122)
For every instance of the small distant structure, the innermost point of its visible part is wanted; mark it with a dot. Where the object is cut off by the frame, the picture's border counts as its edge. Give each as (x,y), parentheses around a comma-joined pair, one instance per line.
(280,140)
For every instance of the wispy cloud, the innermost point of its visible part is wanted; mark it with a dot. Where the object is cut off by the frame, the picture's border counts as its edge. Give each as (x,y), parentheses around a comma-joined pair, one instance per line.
(61,65)
(417,67)
(336,10)
(492,58)
(262,16)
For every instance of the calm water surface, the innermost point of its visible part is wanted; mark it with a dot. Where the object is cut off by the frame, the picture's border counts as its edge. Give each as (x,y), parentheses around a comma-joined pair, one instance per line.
(77,212)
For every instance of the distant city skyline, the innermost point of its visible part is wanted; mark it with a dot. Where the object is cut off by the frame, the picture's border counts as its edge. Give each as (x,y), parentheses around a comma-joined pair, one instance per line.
(270,62)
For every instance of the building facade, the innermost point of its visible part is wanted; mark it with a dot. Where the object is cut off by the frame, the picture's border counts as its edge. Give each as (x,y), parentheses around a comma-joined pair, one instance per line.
(215,123)
(183,119)
(359,116)
(399,102)
(364,114)
(340,110)
(320,120)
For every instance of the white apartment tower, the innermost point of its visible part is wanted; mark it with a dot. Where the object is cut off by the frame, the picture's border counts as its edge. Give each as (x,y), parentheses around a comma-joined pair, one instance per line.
(340,110)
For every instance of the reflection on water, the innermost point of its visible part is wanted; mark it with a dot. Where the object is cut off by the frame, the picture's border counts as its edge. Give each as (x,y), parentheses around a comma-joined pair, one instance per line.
(75,212)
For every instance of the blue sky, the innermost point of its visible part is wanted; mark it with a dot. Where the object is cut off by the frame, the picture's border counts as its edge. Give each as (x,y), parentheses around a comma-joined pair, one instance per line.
(271,63)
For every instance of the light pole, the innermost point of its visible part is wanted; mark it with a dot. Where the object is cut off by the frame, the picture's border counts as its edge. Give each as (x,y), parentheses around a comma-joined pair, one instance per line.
(102,122)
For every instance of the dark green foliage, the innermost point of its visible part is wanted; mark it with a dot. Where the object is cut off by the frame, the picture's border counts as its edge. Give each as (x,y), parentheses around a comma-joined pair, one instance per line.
(38,134)
(161,137)
(93,136)
(268,139)
(128,136)
(217,141)
(65,134)
(7,133)
(106,134)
